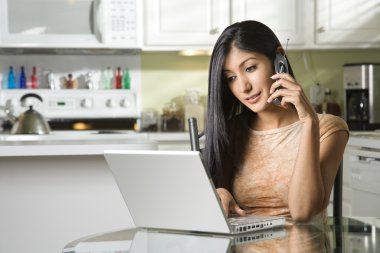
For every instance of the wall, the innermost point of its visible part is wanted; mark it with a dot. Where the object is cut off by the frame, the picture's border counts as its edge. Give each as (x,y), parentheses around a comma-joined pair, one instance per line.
(165,76)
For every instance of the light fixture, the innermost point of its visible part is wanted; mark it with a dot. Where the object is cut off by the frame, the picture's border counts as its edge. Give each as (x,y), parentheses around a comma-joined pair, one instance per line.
(195,52)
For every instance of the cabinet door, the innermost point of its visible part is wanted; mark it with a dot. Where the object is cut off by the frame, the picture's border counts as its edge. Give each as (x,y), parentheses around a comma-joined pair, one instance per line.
(350,22)
(184,22)
(285,18)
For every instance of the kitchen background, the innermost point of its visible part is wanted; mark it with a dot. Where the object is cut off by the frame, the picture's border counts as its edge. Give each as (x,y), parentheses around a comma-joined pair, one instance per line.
(57,188)
(150,39)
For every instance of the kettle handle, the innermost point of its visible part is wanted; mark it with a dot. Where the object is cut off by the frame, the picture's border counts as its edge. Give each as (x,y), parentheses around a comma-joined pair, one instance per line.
(31,95)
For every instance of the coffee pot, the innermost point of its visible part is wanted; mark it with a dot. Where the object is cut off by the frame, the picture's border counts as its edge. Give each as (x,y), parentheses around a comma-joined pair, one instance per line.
(30,121)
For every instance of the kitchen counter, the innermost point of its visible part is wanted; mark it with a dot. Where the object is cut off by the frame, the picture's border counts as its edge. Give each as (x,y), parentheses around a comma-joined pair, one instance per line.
(368,139)
(89,139)
(57,188)
(69,147)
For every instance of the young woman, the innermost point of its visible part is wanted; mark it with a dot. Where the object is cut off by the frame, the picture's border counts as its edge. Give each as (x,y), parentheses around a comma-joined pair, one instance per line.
(267,159)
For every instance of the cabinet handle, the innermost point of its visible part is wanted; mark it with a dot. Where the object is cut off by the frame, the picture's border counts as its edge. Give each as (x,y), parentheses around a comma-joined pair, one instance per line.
(214,30)
(321,29)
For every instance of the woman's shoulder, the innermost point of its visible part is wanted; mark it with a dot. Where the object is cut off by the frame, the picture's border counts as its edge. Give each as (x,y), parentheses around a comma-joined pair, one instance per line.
(329,124)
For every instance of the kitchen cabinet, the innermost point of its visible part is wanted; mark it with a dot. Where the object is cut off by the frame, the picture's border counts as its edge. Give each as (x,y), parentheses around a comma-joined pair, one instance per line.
(52,192)
(350,23)
(322,24)
(185,23)
(287,19)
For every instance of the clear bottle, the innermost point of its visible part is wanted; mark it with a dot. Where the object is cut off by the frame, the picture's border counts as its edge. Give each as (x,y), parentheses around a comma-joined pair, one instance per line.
(4,82)
(106,79)
(194,108)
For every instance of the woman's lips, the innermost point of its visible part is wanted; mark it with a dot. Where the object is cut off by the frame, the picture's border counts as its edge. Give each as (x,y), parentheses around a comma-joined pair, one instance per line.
(254,98)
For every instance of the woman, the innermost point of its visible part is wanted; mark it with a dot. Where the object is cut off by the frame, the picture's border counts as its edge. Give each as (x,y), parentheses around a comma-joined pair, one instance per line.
(266,159)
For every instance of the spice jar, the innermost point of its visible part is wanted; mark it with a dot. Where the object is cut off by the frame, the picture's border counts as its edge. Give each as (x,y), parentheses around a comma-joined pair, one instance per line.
(149,120)
(172,118)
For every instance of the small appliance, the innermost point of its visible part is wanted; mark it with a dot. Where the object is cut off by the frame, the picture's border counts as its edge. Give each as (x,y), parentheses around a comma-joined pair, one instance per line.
(362,92)
(71,24)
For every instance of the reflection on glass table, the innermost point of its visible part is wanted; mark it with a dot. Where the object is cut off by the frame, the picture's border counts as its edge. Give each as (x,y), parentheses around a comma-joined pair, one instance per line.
(338,235)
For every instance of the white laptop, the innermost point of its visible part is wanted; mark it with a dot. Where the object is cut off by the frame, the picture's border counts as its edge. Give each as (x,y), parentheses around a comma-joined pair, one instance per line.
(171,190)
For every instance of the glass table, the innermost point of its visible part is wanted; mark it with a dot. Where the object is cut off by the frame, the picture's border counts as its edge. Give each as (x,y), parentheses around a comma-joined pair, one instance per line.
(346,234)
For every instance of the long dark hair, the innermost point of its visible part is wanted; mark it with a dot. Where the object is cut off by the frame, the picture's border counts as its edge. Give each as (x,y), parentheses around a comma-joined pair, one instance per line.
(222,104)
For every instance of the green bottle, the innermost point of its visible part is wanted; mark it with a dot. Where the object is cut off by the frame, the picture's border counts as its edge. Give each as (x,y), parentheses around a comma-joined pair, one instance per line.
(126,80)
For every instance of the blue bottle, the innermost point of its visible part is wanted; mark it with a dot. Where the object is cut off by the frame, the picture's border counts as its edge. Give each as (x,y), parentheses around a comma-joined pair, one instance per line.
(22,83)
(11,79)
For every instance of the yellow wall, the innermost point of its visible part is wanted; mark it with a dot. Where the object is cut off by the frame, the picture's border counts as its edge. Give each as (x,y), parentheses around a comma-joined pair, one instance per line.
(166,75)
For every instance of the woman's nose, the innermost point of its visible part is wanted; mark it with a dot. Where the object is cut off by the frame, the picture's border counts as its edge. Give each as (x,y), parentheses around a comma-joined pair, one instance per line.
(244,84)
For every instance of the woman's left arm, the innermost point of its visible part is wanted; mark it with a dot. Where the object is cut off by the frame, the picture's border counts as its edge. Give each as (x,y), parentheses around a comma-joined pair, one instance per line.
(314,172)
(317,163)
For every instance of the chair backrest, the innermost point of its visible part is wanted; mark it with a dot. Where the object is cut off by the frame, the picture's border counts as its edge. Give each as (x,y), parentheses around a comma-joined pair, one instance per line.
(194,135)
(338,182)
(338,186)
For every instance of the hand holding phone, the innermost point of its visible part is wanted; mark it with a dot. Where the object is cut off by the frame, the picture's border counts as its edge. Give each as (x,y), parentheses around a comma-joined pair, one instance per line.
(280,66)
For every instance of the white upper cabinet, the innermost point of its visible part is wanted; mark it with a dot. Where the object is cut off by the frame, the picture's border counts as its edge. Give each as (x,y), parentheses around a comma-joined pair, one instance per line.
(349,23)
(184,23)
(286,17)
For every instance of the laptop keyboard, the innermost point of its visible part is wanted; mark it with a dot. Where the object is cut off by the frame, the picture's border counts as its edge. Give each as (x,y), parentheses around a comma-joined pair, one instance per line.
(242,220)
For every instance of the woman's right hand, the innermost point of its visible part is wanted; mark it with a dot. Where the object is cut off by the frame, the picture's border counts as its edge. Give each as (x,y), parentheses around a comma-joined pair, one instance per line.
(229,203)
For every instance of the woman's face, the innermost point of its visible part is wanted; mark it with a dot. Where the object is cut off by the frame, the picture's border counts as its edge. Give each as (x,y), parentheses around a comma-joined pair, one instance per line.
(248,77)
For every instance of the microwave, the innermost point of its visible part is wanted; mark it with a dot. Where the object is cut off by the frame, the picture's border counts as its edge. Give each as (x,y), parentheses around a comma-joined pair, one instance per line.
(71,24)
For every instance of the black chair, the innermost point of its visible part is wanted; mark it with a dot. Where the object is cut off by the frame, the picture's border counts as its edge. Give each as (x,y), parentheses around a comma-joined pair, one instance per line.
(338,186)
(338,182)
(194,135)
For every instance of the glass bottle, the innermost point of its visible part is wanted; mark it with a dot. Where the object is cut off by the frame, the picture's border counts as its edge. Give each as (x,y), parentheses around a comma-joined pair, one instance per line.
(106,79)
(22,80)
(118,79)
(194,108)
(34,78)
(126,80)
(11,79)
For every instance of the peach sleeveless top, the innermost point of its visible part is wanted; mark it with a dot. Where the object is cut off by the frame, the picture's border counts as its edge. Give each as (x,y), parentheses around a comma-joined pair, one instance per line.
(261,181)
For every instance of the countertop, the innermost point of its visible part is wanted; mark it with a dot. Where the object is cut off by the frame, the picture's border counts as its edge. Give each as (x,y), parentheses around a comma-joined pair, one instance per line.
(84,142)
(367,139)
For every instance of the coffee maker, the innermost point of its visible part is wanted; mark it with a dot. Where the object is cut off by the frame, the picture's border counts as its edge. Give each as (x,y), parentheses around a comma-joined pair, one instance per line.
(362,96)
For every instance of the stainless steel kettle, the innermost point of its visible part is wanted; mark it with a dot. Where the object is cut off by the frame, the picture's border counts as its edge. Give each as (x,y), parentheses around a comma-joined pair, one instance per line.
(30,121)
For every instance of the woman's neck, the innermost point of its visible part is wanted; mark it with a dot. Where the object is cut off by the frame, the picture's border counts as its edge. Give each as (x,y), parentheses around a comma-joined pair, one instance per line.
(273,119)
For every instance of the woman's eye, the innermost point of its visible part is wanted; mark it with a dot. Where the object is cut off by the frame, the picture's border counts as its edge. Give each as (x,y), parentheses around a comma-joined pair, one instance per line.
(250,68)
(230,78)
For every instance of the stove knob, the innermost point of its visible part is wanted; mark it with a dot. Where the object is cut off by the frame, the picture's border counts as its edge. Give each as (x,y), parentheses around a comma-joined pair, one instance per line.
(125,103)
(86,103)
(111,103)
